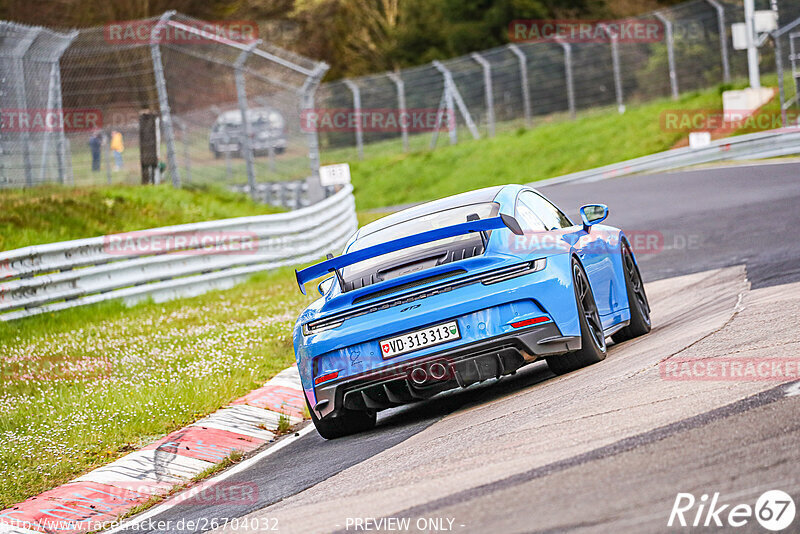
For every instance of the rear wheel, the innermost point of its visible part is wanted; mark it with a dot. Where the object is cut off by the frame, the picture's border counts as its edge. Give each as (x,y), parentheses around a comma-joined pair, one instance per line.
(593,341)
(637,300)
(345,422)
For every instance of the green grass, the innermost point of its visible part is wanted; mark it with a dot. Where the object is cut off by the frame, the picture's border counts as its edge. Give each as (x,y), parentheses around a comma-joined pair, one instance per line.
(57,213)
(85,386)
(553,147)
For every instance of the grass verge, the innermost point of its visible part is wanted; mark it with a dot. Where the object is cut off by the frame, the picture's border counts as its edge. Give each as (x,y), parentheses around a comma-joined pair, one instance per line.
(85,386)
(59,213)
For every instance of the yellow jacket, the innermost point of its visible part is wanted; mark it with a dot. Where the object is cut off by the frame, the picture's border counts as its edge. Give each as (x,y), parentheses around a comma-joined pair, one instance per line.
(116,142)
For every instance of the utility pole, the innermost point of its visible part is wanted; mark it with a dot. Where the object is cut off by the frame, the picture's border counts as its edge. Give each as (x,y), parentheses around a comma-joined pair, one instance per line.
(752,49)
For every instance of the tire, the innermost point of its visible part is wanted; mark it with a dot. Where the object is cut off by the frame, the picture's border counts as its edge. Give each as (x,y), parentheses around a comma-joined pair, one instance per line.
(593,342)
(217,153)
(345,423)
(637,299)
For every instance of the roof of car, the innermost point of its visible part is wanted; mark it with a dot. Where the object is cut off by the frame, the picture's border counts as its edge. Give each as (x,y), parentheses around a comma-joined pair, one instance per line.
(487,194)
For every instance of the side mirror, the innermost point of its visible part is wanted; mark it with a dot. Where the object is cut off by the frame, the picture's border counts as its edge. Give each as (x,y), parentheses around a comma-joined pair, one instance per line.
(325,285)
(593,214)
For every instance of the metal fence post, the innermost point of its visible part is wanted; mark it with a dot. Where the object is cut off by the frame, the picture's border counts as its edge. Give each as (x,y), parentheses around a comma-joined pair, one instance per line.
(241,96)
(54,102)
(615,66)
(163,100)
(451,112)
(50,107)
(447,96)
(61,152)
(568,74)
(793,57)
(18,54)
(452,95)
(723,40)
(307,93)
(357,110)
(523,72)
(776,38)
(488,90)
(673,75)
(401,106)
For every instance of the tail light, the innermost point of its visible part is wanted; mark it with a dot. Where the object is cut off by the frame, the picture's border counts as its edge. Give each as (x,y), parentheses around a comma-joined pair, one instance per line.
(529,322)
(324,378)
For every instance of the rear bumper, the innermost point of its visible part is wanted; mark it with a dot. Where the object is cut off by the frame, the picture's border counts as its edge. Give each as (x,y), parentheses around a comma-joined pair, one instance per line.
(391,385)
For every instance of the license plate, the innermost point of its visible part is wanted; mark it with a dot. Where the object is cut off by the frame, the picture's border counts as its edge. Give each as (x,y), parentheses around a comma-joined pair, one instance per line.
(420,339)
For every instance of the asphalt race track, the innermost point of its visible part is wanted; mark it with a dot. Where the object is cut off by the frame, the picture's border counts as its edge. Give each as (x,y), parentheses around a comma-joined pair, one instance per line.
(603,449)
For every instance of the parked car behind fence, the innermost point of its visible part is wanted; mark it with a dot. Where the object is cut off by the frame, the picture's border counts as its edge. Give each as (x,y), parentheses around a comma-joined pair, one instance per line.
(267,129)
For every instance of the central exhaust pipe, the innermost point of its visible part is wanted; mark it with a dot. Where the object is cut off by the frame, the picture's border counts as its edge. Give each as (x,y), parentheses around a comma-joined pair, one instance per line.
(419,375)
(438,371)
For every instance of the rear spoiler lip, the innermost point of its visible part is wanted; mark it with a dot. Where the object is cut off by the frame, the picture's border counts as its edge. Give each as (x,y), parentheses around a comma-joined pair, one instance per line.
(334,264)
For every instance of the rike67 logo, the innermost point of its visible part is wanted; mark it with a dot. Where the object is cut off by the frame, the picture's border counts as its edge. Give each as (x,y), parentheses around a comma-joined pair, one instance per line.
(774,510)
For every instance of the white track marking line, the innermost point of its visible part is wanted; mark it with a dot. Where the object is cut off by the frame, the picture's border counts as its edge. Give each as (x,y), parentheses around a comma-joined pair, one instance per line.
(792,389)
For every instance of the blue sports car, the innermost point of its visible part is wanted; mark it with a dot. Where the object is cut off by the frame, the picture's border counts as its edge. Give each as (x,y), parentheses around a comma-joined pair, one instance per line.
(457,291)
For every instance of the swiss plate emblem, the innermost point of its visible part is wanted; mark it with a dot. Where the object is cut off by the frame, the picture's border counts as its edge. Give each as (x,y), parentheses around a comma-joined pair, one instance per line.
(385,348)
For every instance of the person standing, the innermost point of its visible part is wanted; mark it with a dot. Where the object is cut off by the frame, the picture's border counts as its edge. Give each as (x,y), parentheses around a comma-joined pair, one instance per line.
(117,147)
(95,142)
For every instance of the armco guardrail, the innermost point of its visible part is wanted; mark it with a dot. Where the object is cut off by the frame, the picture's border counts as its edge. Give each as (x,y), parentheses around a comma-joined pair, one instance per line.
(770,144)
(169,262)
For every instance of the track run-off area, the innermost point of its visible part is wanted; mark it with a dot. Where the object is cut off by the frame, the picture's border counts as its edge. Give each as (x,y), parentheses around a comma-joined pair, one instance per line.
(606,448)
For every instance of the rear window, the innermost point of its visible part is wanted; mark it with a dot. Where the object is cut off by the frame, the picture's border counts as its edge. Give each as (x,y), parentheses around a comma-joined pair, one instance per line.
(419,257)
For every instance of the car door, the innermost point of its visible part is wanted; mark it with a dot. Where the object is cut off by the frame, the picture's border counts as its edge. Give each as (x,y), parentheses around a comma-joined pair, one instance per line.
(591,248)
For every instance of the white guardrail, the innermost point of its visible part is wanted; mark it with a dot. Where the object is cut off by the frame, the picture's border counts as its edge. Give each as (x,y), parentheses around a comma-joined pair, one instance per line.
(770,144)
(169,262)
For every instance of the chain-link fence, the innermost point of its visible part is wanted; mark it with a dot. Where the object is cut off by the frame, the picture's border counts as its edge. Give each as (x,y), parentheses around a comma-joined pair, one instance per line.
(235,110)
(30,151)
(201,79)
(787,54)
(516,85)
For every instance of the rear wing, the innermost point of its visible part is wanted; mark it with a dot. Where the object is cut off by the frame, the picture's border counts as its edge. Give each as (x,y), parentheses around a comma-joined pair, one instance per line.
(332,265)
